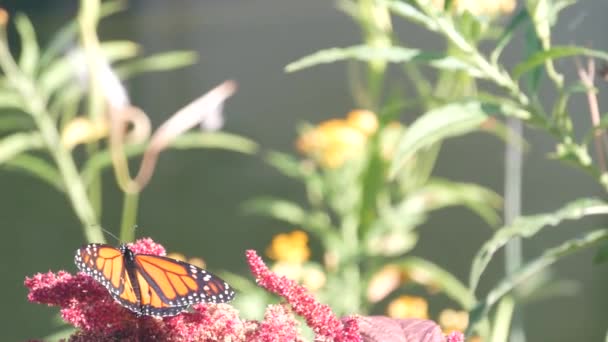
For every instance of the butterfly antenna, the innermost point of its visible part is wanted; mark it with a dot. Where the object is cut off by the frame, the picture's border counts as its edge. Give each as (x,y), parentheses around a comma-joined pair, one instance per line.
(110,233)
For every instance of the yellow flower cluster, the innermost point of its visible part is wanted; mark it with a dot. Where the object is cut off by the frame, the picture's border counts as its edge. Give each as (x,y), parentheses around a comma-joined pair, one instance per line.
(408,307)
(417,307)
(481,7)
(335,141)
(453,320)
(194,261)
(290,251)
(291,247)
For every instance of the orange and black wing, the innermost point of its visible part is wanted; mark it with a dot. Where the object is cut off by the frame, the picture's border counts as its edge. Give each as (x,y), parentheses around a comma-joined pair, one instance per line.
(167,286)
(106,265)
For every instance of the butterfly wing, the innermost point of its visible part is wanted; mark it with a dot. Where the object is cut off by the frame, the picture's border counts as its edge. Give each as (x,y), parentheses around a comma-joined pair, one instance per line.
(106,265)
(169,286)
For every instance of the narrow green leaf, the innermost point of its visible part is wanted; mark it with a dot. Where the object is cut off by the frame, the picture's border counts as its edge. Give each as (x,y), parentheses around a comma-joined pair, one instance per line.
(68,33)
(160,62)
(405,10)
(28,59)
(502,319)
(38,168)
(602,255)
(439,193)
(507,34)
(10,122)
(316,222)
(286,164)
(9,99)
(555,52)
(549,257)
(528,226)
(438,124)
(279,209)
(15,144)
(392,54)
(218,140)
(65,69)
(438,277)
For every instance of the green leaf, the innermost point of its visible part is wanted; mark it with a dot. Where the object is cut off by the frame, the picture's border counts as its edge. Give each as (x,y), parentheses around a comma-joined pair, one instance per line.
(434,126)
(315,222)
(38,168)
(392,54)
(286,164)
(28,59)
(555,52)
(502,320)
(9,99)
(217,140)
(159,62)
(10,122)
(528,226)
(436,276)
(549,257)
(15,144)
(64,70)
(602,255)
(191,140)
(279,209)
(405,10)
(508,33)
(68,33)
(440,193)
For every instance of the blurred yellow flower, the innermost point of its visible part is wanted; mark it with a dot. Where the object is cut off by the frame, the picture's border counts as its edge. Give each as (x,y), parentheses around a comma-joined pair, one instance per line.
(384,282)
(290,270)
(289,247)
(453,320)
(363,120)
(194,261)
(82,130)
(313,278)
(408,307)
(481,7)
(335,141)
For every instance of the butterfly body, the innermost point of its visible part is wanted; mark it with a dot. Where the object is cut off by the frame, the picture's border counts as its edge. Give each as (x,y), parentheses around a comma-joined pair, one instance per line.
(148,284)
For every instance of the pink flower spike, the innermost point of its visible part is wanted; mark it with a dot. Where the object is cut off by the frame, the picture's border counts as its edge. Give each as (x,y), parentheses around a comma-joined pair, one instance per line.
(455,336)
(319,317)
(147,246)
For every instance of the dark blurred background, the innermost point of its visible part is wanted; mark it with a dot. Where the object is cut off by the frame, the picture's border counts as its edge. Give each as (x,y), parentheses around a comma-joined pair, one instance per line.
(193,203)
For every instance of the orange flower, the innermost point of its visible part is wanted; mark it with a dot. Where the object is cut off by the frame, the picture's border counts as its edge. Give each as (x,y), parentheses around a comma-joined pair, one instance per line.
(335,141)
(408,307)
(289,247)
(452,320)
(363,120)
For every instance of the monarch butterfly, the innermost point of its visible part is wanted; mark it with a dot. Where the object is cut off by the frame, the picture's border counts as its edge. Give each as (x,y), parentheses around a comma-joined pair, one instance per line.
(150,285)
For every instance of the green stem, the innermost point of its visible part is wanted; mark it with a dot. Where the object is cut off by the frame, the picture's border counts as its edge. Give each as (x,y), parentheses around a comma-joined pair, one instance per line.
(36,106)
(350,264)
(95,184)
(88,17)
(129,217)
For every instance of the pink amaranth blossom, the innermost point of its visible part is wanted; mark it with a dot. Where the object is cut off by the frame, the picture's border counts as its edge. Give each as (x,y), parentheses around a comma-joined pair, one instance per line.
(319,317)
(455,336)
(88,306)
